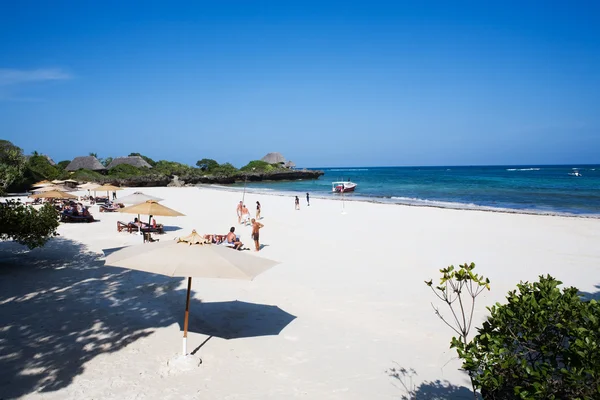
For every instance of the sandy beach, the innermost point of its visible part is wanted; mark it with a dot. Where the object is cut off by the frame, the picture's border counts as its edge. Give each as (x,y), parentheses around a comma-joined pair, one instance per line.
(347,303)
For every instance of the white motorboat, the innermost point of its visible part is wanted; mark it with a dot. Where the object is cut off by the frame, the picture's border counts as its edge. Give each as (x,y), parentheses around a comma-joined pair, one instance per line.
(343,187)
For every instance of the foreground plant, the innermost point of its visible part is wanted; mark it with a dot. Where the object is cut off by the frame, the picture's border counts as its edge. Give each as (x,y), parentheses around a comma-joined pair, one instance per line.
(543,344)
(26,225)
(459,288)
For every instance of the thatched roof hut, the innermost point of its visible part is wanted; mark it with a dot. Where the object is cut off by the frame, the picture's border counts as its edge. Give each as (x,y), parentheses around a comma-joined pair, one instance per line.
(290,165)
(87,162)
(274,158)
(136,161)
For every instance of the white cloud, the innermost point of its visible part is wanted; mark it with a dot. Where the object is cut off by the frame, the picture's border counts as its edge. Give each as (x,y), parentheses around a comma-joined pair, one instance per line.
(10,77)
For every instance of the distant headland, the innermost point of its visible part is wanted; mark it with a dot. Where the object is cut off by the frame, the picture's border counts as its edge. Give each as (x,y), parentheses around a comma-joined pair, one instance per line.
(137,170)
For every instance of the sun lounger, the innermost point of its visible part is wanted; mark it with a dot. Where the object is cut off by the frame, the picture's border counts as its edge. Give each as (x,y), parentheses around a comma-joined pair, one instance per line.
(65,217)
(154,229)
(104,208)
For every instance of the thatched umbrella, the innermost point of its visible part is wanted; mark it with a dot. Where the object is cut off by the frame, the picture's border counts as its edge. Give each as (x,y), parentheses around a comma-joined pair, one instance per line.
(135,161)
(137,198)
(55,194)
(51,188)
(87,162)
(274,158)
(42,184)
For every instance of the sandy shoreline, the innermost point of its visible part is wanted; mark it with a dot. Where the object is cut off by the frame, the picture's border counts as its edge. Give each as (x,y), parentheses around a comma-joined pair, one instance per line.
(350,295)
(401,202)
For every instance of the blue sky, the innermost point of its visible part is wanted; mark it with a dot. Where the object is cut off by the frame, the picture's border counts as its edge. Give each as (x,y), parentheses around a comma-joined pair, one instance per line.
(325,83)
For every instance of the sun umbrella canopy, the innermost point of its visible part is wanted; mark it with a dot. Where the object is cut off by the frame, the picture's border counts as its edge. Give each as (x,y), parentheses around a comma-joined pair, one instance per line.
(151,207)
(87,186)
(181,259)
(106,188)
(55,194)
(38,185)
(137,198)
(57,182)
(51,188)
(44,182)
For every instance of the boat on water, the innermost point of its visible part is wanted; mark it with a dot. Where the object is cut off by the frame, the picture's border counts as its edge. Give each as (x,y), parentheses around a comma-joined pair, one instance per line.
(575,173)
(343,187)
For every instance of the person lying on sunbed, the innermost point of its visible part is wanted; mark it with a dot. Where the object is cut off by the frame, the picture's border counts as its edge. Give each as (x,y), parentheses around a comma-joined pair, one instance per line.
(139,223)
(232,240)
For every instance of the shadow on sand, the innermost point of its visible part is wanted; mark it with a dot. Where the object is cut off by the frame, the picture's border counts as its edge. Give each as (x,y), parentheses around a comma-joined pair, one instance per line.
(427,390)
(61,307)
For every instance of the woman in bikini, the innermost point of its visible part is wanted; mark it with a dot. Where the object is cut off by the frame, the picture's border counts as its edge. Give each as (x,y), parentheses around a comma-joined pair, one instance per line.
(257,210)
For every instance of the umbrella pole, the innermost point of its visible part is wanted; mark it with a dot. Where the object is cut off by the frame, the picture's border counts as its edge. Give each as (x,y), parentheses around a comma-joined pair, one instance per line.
(187,316)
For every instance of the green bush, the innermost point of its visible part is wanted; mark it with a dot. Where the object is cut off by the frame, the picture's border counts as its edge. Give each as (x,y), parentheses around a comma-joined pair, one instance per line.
(258,166)
(207,165)
(39,168)
(85,175)
(225,170)
(543,344)
(26,225)
(126,171)
(171,168)
(63,164)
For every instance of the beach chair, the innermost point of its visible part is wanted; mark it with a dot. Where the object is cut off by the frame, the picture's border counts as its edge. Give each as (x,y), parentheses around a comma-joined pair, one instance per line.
(65,217)
(123,226)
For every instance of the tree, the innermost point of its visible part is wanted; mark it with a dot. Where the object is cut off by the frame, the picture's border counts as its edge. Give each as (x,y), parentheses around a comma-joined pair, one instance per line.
(258,165)
(63,164)
(106,161)
(207,164)
(26,225)
(12,164)
(94,155)
(125,171)
(225,170)
(39,168)
(543,343)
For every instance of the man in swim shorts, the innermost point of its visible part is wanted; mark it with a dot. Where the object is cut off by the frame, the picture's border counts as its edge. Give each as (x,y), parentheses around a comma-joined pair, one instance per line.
(255,232)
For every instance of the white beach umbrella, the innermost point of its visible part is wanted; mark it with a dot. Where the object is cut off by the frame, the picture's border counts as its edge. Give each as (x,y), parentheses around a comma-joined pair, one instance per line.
(188,259)
(137,198)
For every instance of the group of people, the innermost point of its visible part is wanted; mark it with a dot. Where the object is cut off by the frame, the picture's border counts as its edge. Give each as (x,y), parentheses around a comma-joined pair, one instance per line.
(72,208)
(243,215)
(233,240)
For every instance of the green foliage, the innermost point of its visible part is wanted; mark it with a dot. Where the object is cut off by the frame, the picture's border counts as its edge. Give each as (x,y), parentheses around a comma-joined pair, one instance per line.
(543,344)
(171,168)
(106,161)
(126,171)
(86,175)
(63,164)
(147,159)
(39,168)
(12,164)
(94,155)
(258,166)
(207,165)
(26,225)
(459,288)
(225,170)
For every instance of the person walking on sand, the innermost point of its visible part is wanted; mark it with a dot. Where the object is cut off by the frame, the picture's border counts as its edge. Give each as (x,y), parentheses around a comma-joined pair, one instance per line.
(239,212)
(255,234)
(257,210)
(245,215)
(307,199)
(297,203)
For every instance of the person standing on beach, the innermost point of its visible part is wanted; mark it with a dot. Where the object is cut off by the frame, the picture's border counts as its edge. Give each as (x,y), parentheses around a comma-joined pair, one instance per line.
(114,195)
(297,203)
(257,210)
(255,234)
(307,199)
(239,212)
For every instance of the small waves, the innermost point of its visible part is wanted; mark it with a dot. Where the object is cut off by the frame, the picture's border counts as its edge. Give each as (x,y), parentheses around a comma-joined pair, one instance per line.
(523,169)
(346,169)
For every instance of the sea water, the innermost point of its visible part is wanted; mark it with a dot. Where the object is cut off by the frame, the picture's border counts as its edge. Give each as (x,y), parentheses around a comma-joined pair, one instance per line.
(531,189)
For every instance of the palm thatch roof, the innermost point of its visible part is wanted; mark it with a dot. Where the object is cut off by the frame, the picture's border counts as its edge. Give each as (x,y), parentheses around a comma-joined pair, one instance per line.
(274,158)
(87,162)
(290,164)
(136,161)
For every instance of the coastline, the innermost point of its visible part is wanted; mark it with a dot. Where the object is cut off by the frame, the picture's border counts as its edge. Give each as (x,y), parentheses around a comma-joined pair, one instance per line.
(353,283)
(400,202)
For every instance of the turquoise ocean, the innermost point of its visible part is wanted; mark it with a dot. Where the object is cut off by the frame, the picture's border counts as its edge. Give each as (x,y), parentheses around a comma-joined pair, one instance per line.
(543,189)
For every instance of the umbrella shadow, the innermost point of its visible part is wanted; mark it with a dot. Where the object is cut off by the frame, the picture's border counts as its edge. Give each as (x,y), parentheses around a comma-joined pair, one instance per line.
(236,319)
(61,307)
(426,390)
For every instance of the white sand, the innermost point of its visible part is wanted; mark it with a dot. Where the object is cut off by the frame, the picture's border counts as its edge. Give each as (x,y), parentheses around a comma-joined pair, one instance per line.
(354,283)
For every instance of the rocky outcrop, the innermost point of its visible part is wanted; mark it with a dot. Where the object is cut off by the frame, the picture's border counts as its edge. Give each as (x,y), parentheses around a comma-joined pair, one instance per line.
(163,180)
